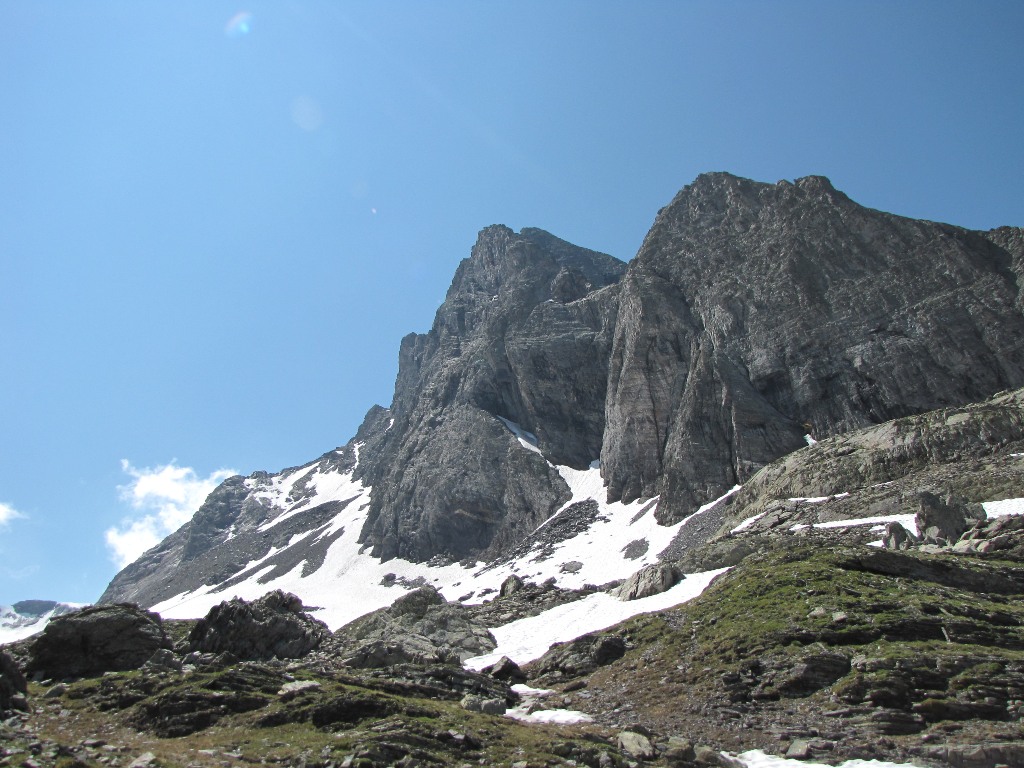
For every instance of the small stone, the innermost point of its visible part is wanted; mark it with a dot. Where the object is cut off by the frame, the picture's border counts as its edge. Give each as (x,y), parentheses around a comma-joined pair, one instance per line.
(291,689)
(145,760)
(708,756)
(800,749)
(636,744)
(474,703)
(56,691)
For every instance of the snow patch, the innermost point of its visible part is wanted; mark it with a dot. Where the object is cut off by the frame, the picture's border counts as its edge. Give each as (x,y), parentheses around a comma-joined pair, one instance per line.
(529,698)
(526,439)
(350,582)
(819,499)
(528,639)
(755,758)
(1004,507)
(907,521)
(555,716)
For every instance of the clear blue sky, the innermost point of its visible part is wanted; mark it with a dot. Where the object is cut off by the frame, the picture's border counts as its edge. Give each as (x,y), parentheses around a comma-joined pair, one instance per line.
(217,220)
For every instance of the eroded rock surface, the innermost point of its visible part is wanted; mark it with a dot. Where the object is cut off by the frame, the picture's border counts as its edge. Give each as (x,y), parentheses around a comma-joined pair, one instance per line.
(274,626)
(420,627)
(98,639)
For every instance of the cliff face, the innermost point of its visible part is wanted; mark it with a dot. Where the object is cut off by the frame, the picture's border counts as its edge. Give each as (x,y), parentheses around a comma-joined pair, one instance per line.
(523,336)
(753,315)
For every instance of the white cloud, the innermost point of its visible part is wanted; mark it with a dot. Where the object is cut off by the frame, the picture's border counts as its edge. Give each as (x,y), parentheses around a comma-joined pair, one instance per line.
(165,497)
(8,513)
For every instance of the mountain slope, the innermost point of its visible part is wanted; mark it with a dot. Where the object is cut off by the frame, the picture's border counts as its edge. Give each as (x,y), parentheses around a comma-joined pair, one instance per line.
(560,384)
(756,313)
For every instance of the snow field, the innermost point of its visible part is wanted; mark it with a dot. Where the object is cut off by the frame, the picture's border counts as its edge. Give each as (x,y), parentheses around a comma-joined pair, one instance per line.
(1004,507)
(528,639)
(348,583)
(755,758)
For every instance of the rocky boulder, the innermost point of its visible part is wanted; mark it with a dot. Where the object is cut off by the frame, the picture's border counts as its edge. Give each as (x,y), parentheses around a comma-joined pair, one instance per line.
(13,687)
(1003,535)
(419,627)
(897,537)
(650,580)
(565,661)
(274,626)
(104,638)
(943,521)
(507,670)
(510,586)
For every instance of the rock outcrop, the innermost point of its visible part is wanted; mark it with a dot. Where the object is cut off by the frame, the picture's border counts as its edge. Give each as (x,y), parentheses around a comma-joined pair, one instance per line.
(274,626)
(756,313)
(521,342)
(930,470)
(420,627)
(565,661)
(98,639)
(650,580)
(13,686)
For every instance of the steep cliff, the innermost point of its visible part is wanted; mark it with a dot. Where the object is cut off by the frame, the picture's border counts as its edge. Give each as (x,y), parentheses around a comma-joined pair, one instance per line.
(756,313)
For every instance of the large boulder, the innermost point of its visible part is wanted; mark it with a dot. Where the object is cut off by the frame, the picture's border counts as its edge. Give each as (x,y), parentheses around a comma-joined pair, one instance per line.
(420,627)
(650,580)
(943,521)
(13,687)
(274,626)
(565,661)
(98,639)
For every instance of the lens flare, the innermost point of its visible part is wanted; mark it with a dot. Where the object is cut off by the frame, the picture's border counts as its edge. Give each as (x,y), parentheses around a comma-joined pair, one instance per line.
(306,113)
(239,25)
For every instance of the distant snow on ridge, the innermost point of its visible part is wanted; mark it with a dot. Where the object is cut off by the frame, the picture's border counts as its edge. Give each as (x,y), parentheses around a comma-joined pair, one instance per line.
(29,617)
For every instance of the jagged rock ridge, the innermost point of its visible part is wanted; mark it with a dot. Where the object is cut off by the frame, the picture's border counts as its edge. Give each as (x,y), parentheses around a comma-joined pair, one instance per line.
(754,314)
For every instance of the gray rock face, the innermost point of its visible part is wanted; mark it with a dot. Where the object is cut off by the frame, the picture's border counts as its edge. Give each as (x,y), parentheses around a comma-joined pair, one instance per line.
(908,466)
(1001,537)
(578,657)
(756,313)
(89,642)
(420,627)
(897,537)
(524,335)
(480,704)
(637,745)
(13,686)
(943,521)
(650,580)
(273,626)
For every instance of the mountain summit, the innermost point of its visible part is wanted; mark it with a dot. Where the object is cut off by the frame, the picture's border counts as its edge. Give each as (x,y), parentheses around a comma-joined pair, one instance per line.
(560,390)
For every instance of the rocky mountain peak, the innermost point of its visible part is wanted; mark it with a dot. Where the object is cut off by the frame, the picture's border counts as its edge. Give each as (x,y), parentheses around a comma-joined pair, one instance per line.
(754,318)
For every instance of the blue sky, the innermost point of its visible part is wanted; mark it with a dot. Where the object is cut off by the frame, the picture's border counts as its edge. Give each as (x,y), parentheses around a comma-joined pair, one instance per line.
(217,220)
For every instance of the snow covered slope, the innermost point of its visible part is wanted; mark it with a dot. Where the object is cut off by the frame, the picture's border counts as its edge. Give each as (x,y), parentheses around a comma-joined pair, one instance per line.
(587,541)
